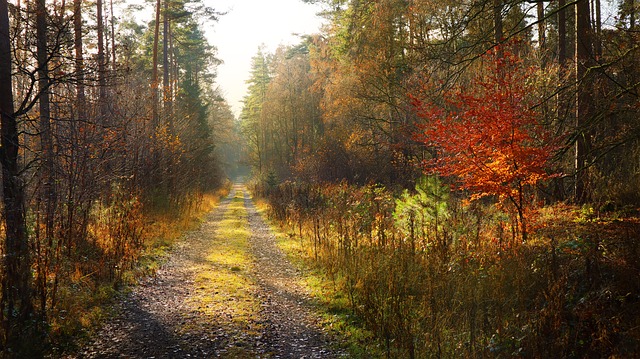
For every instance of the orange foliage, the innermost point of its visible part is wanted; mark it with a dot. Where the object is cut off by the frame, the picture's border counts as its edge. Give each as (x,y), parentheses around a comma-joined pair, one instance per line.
(489,136)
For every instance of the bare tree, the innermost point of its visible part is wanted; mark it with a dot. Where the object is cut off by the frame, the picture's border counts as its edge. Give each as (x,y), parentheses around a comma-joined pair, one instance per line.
(154,80)
(102,82)
(79,59)
(584,95)
(16,283)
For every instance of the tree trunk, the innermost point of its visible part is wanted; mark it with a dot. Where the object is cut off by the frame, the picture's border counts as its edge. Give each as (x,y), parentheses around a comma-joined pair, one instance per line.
(47,195)
(43,82)
(16,280)
(79,59)
(497,25)
(166,89)
(166,94)
(154,85)
(597,40)
(46,142)
(632,15)
(113,39)
(497,21)
(632,22)
(584,96)
(562,32)
(102,82)
(541,26)
(174,66)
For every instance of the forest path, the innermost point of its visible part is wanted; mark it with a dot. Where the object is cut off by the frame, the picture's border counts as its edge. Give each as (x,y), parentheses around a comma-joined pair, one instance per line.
(226,291)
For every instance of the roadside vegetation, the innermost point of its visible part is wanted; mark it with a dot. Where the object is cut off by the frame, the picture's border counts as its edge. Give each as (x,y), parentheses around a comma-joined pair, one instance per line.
(429,275)
(464,175)
(111,136)
(85,300)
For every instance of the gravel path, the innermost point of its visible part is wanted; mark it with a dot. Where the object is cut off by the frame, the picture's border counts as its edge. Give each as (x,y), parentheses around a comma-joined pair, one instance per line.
(291,330)
(158,318)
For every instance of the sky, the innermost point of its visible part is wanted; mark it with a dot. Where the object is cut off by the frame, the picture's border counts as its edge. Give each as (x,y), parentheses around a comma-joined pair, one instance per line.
(249,24)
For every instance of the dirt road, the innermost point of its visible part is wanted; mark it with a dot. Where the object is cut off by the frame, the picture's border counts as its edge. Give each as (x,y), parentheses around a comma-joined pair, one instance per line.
(226,291)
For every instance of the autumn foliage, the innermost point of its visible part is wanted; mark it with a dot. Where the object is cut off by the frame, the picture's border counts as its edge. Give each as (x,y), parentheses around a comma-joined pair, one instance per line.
(489,136)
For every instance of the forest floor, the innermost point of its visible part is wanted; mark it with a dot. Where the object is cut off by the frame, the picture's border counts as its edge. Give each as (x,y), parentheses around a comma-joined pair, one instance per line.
(226,291)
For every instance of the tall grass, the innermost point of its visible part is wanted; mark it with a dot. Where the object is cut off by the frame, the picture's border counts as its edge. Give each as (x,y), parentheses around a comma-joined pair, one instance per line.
(432,277)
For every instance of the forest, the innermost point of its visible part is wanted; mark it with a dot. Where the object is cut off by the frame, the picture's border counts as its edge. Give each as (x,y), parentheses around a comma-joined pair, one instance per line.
(108,126)
(464,172)
(464,175)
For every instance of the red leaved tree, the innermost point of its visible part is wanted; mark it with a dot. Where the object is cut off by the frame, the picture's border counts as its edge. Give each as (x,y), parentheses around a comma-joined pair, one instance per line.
(488,136)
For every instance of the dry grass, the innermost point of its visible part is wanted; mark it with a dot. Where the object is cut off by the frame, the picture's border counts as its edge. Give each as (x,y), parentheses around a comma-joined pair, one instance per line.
(572,290)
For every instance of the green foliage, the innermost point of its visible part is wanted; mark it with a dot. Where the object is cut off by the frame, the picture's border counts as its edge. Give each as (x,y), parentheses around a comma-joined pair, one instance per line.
(253,126)
(271,180)
(421,215)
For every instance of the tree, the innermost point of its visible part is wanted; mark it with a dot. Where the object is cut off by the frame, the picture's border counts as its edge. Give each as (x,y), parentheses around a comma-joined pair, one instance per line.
(291,109)
(167,97)
(155,121)
(376,52)
(488,136)
(254,127)
(584,95)
(542,36)
(562,32)
(423,213)
(15,308)
(83,169)
(79,59)
(102,80)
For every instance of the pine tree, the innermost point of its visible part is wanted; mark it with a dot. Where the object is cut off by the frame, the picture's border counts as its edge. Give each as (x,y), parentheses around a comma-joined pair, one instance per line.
(254,126)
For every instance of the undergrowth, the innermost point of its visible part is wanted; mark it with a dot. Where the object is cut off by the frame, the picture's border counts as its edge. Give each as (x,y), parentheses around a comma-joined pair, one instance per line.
(84,299)
(431,276)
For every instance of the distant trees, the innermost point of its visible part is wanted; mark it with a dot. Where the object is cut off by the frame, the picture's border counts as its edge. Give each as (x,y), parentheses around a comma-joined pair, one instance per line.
(365,65)
(255,128)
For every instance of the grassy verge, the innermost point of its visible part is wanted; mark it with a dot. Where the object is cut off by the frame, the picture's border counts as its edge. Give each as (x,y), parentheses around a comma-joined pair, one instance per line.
(164,229)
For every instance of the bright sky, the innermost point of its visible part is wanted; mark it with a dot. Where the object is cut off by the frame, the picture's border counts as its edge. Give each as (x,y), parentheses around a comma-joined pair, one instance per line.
(249,24)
